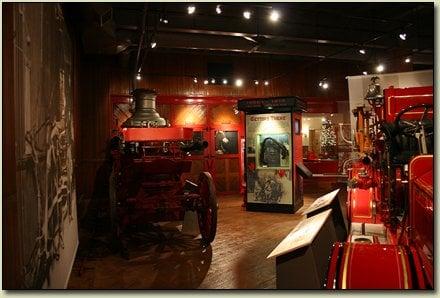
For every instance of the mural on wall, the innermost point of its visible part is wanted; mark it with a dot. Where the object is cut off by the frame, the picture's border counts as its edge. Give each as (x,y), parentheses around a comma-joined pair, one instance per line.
(44,137)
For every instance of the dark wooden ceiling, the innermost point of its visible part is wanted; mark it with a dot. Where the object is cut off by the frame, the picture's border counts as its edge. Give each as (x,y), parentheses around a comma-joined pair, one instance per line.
(324,30)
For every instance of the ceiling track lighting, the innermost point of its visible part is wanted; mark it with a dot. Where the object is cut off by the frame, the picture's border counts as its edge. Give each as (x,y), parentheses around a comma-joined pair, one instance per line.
(364,73)
(206,82)
(407,60)
(195,80)
(266,83)
(362,51)
(138,77)
(380,68)
(225,81)
(247,14)
(274,16)
(324,84)
(402,36)
(153,44)
(218,9)
(238,82)
(191,9)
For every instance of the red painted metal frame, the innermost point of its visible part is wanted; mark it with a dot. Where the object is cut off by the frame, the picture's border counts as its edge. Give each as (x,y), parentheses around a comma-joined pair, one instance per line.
(396,99)
(374,266)
(157,134)
(422,212)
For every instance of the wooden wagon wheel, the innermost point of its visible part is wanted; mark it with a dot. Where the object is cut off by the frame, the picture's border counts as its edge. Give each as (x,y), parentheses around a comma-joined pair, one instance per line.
(207,211)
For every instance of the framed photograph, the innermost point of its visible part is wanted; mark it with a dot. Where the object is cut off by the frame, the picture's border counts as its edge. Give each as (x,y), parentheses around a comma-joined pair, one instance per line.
(273,151)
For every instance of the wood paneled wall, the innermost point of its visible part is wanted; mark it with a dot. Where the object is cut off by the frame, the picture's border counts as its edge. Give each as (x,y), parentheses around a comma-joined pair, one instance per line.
(172,75)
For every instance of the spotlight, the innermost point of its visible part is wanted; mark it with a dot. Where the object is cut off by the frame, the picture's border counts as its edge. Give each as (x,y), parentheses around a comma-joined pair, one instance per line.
(402,36)
(195,80)
(320,84)
(165,21)
(205,82)
(256,82)
(238,82)
(266,83)
(191,9)
(274,16)
(225,81)
(325,85)
(218,9)
(364,73)
(247,14)
(138,77)
(153,44)
(407,60)
(212,81)
(380,68)
(362,51)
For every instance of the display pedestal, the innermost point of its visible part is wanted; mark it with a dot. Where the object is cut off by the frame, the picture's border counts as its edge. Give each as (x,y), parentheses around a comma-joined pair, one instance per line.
(302,257)
(326,202)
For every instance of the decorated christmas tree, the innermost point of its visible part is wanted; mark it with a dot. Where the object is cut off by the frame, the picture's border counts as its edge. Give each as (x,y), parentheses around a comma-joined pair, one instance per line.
(328,139)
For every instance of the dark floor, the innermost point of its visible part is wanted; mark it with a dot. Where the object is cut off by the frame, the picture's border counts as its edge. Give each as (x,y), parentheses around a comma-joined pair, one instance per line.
(235,260)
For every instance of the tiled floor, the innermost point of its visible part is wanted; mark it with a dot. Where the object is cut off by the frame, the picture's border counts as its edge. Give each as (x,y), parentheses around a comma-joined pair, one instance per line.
(235,260)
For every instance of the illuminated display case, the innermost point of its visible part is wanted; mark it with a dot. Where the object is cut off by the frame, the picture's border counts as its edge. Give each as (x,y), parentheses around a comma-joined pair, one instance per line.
(273,150)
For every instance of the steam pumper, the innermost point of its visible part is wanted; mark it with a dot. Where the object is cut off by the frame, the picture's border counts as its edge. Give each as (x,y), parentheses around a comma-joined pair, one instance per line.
(146,184)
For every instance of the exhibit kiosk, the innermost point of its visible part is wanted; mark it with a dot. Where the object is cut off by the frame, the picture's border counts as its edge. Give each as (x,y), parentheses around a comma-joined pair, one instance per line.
(273,153)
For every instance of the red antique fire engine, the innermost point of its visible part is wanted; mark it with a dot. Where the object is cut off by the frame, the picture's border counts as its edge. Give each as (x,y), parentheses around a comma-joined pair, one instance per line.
(390,195)
(146,184)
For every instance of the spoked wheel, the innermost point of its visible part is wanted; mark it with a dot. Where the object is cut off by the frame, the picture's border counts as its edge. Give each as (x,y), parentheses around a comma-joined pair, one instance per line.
(207,211)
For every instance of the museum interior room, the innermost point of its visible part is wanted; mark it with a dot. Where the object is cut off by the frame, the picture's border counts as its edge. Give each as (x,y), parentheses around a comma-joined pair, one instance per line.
(218,145)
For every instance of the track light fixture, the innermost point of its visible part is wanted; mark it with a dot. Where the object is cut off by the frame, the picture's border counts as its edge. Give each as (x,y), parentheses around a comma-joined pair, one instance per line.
(364,73)
(256,82)
(191,9)
(266,83)
(238,82)
(218,9)
(380,68)
(195,80)
(225,81)
(402,36)
(274,16)
(206,82)
(247,14)
(138,77)
(153,44)
(407,60)
(362,51)
(323,83)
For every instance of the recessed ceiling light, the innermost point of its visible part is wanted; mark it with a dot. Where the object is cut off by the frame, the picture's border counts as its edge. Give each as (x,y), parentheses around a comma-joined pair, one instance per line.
(238,82)
(407,60)
(380,68)
(247,14)
(274,16)
(402,36)
(362,51)
(191,9)
(218,9)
